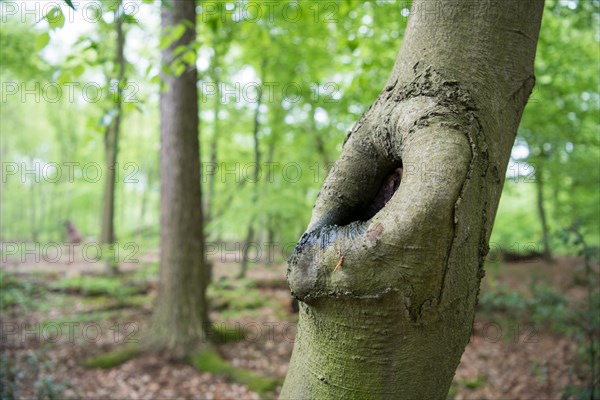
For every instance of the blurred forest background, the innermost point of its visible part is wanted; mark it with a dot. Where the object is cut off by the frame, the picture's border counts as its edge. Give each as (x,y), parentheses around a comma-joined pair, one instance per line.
(279,90)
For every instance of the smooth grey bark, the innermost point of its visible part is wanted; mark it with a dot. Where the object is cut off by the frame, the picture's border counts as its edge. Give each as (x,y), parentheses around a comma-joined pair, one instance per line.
(388,301)
(181,312)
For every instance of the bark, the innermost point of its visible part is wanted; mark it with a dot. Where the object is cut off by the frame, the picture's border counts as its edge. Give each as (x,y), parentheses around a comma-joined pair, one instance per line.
(111,144)
(180,318)
(388,301)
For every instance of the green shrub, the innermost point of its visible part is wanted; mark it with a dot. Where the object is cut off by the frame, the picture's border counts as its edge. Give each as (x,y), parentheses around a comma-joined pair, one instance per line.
(15,291)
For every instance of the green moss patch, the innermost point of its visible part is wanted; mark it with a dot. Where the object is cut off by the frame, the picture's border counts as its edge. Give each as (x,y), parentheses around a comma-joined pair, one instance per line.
(225,335)
(211,361)
(113,358)
(99,285)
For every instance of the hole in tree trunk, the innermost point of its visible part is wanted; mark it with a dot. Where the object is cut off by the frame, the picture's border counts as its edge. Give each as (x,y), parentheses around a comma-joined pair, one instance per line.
(345,216)
(389,186)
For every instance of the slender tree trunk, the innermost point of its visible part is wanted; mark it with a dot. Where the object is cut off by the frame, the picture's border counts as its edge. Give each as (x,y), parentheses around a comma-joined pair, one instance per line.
(33,211)
(388,294)
(144,202)
(255,178)
(271,220)
(214,144)
(43,210)
(111,145)
(4,233)
(539,183)
(319,143)
(180,315)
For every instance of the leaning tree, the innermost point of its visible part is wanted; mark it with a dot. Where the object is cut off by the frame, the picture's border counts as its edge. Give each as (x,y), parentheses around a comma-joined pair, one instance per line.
(388,271)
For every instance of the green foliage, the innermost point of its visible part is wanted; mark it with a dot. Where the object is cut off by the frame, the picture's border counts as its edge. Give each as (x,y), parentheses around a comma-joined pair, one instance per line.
(475,382)
(225,335)
(559,129)
(549,307)
(147,272)
(517,225)
(458,385)
(211,361)
(337,55)
(70,4)
(234,296)
(574,392)
(35,368)
(15,291)
(92,316)
(545,307)
(99,285)
(500,298)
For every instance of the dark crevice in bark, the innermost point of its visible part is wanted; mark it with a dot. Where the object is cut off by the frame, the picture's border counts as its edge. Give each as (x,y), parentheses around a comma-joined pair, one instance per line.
(351,222)
(389,186)
(346,215)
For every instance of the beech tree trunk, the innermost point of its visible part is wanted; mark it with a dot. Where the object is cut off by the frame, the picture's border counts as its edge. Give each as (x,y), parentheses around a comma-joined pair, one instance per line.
(388,293)
(180,317)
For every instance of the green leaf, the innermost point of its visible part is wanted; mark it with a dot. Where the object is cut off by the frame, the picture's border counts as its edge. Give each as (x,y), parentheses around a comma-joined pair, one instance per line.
(178,69)
(129,19)
(78,70)
(55,18)
(70,4)
(189,57)
(42,40)
(172,36)
(64,77)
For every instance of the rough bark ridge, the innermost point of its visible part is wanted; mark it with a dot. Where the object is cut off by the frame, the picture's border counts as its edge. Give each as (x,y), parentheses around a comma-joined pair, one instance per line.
(388,300)
(180,316)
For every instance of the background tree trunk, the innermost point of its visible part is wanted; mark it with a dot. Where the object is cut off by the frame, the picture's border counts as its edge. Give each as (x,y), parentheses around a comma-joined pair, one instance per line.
(388,301)
(250,236)
(180,317)
(539,183)
(214,144)
(111,144)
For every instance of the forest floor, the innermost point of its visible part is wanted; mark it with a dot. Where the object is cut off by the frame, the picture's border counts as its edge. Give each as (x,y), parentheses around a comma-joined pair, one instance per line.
(526,341)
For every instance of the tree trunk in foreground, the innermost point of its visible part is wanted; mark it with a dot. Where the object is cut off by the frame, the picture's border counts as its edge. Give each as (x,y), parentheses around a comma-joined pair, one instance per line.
(180,316)
(388,294)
